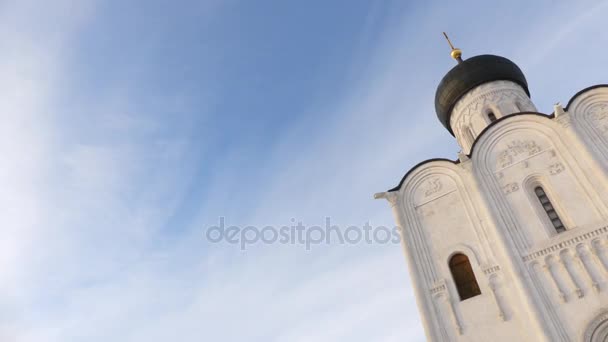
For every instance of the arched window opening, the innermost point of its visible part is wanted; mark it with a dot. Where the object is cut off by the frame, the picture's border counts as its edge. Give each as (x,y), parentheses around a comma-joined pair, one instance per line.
(549,209)
(491,116)
(464,278)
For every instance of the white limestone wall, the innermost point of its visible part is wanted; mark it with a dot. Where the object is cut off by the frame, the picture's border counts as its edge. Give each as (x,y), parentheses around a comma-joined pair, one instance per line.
(526,151)
(562,274)
(439,206)
(470,114)
(587,118)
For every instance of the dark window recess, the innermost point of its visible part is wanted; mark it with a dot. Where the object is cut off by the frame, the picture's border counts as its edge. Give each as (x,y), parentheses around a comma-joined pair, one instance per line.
(492,117)
(549,209)
(464,278)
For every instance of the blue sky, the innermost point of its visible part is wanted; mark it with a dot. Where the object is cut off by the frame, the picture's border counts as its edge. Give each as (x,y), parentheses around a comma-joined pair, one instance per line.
(127,130)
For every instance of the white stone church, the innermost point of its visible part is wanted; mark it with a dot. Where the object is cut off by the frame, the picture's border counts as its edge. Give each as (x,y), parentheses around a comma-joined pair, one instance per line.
(510,241)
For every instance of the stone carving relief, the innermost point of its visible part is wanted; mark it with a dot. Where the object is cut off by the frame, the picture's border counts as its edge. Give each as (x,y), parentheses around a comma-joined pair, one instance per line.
(438,288)
(515,150)
(425,211)
(556,168)
(599,245)
(480,96)
(509,188)
(599,116)
(433,186)
(491,270)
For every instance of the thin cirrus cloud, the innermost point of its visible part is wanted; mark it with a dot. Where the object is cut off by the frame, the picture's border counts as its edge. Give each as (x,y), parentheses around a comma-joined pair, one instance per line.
(125,134)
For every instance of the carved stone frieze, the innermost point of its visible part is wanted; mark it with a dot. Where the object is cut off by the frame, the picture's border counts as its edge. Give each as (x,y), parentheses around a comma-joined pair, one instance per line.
(509,188)
(425,211)
(598,114)
(566,243)
(491,270)
(494,94)
(556,168)
(498,95)
(439,287)
(433,186)
(515,151)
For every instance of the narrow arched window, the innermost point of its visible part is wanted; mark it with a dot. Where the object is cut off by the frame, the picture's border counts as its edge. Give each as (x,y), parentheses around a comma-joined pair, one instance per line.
(549,209)
(491,116)
(464,278)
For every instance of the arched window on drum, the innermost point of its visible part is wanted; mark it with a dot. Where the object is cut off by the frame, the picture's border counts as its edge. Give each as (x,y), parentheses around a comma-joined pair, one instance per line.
(491,117)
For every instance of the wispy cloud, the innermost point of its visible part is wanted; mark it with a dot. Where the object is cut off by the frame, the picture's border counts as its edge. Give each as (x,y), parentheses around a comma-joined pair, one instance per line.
(105,197)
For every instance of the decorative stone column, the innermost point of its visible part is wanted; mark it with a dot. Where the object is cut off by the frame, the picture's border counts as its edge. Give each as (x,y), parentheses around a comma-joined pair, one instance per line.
(553,268)
(494,285)
(445,305)
(586,259)
(566,259)
(599,249)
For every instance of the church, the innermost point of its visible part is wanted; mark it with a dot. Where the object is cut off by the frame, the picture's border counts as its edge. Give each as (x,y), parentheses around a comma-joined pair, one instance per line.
(510,241)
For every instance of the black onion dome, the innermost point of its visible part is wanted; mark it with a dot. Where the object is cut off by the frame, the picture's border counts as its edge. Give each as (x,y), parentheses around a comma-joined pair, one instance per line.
(468,75)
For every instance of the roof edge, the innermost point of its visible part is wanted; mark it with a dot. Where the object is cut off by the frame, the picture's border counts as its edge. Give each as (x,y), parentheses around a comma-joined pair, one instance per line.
(398,187)
(581,92)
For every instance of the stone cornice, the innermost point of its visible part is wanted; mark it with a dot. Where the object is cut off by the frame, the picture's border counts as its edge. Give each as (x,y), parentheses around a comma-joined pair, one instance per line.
(557,246)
